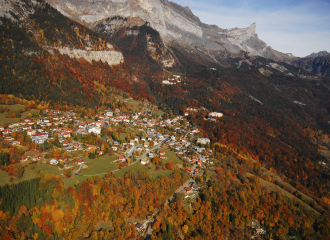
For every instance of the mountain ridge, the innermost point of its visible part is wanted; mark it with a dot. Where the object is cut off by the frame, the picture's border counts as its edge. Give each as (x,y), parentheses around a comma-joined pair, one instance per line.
(318,54)
(175,24)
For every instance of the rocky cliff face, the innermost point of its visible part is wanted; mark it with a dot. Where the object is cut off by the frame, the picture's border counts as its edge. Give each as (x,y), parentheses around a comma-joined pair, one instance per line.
(20,11)
(110,57)
(176,24)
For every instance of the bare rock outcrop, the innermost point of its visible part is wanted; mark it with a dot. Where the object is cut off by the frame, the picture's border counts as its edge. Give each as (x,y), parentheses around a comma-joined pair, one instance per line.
(110,57)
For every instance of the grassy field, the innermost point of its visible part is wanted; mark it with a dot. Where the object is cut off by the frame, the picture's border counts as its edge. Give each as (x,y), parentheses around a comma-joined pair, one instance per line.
(157,112)
(69,182)
(4,178)
(170,156)
(45,168)
(16,107)
(123,136)
(137,167)
(133,104)
(99,165)
(104,225)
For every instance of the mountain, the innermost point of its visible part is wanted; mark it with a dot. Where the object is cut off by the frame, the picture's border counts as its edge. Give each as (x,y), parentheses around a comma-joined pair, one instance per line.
(146,57)
(319,65)
(318,54)
(175,24)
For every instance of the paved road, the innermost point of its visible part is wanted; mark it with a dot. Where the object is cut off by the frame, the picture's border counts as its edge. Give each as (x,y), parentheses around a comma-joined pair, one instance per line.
(186,185)
(76,172)
(149,233)
(154,148)
(130,151)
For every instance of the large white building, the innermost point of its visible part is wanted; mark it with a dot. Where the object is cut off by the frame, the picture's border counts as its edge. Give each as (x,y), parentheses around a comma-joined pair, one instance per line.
(215,114)
(39,138)
(93,129)
(203,140)
(109,113)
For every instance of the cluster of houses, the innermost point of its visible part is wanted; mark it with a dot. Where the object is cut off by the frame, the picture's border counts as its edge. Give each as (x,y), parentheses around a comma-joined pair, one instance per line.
(55,124)
(191,190)
(172,80)
(212,116)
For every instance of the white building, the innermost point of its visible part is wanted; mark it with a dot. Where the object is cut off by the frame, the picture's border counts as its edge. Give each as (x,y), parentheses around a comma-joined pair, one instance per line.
(39,138)
(203,140)
(93,129)
(168,82)
(109,113)
(53,162)
(144,161)
(215,114)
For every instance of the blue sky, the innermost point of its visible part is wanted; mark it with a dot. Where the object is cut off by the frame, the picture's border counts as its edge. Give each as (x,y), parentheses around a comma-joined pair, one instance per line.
(289,26)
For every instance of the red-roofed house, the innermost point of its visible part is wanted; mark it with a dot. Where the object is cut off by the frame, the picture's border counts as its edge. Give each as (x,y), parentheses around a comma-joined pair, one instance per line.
(5,131)
(161,154)
(188,189)
(66,135)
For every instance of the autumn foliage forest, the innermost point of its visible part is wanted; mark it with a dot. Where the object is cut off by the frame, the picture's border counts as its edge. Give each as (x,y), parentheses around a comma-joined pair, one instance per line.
(274,132)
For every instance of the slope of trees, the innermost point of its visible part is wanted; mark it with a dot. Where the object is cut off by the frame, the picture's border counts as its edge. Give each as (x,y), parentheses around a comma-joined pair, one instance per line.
(225,210)
(50,211)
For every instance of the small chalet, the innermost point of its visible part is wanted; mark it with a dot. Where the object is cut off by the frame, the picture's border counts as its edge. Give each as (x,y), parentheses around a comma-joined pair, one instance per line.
(31,132)
(188,189)
(121,158)
(144,161)
(53,162)
(161,154)
(66,135)
(6,131)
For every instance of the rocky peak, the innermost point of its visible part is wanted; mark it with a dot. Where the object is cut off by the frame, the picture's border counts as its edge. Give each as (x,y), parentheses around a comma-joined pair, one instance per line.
(318,54)
(240,34)
(176,24)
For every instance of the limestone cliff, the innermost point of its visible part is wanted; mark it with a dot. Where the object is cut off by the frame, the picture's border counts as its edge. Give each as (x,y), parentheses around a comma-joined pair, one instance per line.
(176,24)
(110,57)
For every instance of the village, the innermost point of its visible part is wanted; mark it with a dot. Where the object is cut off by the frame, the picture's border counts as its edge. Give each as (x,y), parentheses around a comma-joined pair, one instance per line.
(141,137)
(144,140)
